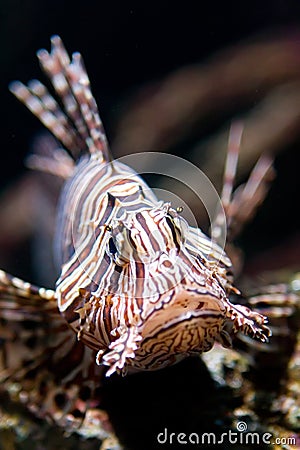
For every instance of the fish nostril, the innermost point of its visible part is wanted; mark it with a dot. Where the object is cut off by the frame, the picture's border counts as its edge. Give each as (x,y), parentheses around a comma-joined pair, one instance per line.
(167,264)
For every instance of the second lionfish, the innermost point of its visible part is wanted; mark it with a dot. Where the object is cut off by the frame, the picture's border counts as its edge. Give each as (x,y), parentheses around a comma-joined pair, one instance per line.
(138,287)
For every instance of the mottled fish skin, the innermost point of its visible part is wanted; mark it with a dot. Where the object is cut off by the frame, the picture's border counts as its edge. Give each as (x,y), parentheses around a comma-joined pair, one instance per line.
(138,285)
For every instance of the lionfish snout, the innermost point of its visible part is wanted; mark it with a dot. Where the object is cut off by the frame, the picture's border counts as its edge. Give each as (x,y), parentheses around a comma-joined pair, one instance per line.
(188,322)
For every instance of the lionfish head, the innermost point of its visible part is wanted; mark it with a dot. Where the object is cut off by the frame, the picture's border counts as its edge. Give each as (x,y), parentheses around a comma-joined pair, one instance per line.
(180,297)
(148,235)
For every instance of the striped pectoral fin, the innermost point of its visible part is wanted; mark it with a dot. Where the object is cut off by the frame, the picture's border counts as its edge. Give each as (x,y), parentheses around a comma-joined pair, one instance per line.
(29,320)
(20,300)
(282,306)
(121,350)
(27,315)
(43,365)
(248,322)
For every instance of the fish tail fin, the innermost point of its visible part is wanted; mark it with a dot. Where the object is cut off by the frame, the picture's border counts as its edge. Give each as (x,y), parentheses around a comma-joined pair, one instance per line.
(77,125)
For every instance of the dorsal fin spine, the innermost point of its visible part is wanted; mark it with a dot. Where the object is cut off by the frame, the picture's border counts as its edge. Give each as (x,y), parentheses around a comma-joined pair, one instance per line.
(77,123)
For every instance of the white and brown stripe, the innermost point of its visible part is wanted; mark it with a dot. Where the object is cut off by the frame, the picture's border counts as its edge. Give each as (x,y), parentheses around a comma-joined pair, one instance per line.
(137,284)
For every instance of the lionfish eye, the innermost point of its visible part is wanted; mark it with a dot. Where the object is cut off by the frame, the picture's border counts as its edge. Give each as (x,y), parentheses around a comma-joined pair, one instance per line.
(178,225)
(171,223)
(112,246)
(182,225)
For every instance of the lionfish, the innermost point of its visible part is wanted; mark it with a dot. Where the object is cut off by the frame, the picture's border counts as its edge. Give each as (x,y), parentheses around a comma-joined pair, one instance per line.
(139,289)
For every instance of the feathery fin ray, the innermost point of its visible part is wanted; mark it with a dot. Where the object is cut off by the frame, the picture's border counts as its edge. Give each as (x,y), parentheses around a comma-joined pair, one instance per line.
(240,204)
(43,365)
(77,125)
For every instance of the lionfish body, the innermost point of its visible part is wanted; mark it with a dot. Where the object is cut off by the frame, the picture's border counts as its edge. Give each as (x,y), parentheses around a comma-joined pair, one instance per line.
(138,287)
(129,286)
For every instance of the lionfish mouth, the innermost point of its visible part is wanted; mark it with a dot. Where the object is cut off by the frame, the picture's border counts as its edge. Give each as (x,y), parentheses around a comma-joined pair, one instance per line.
(190,333)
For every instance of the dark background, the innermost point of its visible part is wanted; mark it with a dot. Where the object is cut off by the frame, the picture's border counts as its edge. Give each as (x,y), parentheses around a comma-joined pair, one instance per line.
(127,45)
